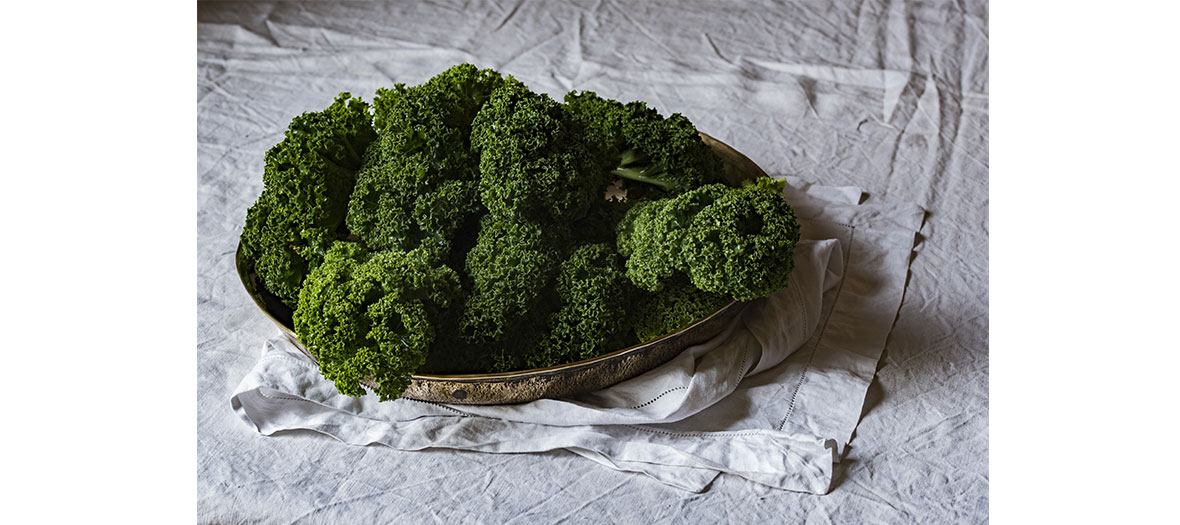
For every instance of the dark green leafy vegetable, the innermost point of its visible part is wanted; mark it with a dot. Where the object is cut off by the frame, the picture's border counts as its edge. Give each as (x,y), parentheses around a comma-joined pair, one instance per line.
(418,186)
(537,177)
(462,226)
(372,315)
(734,241)
(593,318)
(678,305)
(533,162)
(645,149)
(742,245)
(511,267)
(652,234)
(307,180)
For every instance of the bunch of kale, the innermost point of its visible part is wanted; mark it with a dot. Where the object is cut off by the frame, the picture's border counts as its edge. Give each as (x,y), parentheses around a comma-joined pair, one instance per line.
(462,226)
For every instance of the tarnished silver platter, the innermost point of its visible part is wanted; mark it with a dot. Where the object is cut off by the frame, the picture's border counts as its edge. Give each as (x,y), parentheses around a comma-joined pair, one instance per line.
(553,382)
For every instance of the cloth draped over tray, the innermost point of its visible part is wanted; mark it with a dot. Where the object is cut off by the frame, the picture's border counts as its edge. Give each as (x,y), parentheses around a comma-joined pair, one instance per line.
(774,398)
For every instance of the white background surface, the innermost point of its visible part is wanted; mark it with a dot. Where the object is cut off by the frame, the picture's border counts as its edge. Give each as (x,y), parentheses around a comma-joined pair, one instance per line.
(1083,113)
(890,98)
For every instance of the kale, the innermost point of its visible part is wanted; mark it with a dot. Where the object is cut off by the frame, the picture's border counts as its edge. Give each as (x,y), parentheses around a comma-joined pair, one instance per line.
(418,185)
(372,315)
(742,245)
(463,225)
(652,233)
(533,163)
(593,318)
(307,180)
(676,306)
(737,242)
(655,156)
(511,267)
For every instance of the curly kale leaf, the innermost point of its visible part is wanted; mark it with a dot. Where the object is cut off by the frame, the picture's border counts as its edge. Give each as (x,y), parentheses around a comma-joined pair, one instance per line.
(742,245)
(676,306)
(307,180)
(419,184)
(593,318)
(512,267)
(655,156)
(455,95)
(392,207)
(652,235)
(533,163)
(602,124)
(738,242)
(372,315)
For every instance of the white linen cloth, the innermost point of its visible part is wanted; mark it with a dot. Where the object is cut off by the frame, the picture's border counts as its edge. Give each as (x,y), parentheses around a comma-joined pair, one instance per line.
(773,398)
(802,88)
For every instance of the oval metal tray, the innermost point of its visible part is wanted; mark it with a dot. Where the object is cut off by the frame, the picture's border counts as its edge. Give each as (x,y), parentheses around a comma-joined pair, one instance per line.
(553,382)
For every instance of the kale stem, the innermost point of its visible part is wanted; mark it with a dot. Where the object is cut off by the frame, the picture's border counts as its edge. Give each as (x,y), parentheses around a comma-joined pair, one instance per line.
(637,175)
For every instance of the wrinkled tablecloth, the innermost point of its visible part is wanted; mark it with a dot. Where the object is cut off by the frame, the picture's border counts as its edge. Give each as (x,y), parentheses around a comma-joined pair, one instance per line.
(888,97)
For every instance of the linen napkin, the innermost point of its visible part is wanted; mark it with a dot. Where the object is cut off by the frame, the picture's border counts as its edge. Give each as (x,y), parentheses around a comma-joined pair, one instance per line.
(774,398)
